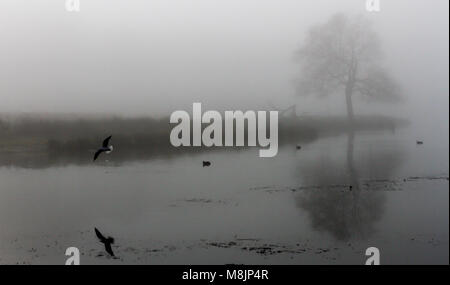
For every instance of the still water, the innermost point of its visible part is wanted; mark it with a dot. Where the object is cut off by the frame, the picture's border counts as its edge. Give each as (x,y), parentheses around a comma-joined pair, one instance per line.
(295,208)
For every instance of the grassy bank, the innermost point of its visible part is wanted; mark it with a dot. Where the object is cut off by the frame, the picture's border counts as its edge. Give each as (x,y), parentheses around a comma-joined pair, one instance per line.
(73,135)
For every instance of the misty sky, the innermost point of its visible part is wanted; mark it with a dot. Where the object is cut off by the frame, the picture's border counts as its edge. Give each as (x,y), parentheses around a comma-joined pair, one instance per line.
(153,57)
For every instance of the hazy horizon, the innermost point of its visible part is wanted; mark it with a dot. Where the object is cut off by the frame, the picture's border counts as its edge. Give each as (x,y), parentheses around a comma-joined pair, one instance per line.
(221,53)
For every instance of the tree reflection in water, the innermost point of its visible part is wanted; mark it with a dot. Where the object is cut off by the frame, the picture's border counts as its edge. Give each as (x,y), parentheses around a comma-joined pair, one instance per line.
(347,213)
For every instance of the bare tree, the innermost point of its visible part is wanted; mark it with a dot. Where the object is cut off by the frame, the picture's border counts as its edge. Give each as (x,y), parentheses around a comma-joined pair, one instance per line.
(341,56)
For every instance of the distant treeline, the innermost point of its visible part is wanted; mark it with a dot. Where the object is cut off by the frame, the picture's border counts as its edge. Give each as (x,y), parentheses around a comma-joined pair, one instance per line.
(152,135)
(332,125)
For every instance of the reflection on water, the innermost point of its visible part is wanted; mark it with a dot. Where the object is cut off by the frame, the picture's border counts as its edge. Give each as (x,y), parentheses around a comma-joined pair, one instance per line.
(339,206)
(172,200)
(44,159)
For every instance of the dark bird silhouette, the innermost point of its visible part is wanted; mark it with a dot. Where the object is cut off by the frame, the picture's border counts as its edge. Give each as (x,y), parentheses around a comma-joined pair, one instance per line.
(105,148)
(419,142)
(106,241)
(206,163)
(299,147)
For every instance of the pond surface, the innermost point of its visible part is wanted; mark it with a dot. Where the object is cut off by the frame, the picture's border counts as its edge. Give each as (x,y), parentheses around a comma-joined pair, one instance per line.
(323,204)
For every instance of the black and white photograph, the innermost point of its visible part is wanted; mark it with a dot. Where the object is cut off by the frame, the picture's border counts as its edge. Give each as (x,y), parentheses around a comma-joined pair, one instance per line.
(224,133)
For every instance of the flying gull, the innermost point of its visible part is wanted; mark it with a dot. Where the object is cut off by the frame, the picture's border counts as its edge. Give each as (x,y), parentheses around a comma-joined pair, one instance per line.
(106,241)
(105,148)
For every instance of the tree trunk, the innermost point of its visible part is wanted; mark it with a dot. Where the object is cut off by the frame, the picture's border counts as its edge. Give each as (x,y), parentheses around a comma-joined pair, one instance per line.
(349,86)
(348,99)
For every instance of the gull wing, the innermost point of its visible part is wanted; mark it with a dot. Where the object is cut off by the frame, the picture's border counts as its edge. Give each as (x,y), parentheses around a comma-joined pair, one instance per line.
(99,235)
(109,249)
(106,141)
(97,154)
